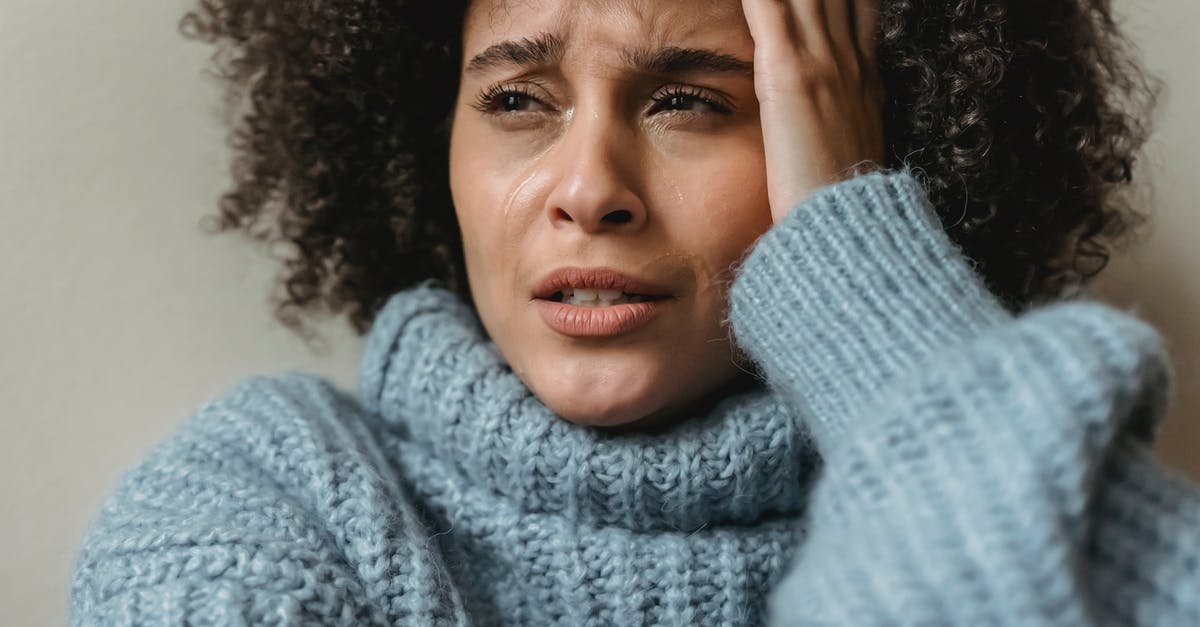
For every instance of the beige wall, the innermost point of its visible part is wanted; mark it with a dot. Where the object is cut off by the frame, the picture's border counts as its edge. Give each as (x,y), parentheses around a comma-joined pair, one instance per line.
(1160,279)
(120,317)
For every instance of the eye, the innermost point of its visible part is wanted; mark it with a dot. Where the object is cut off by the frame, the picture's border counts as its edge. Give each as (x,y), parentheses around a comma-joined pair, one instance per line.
(502,99)
(687,99)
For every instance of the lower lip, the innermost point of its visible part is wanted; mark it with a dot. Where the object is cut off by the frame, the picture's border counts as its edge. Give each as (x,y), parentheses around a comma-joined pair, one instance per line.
(577,321)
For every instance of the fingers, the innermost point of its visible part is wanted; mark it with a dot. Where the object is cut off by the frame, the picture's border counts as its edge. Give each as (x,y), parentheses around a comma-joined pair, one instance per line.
(813,35)
(820,28)
(841,28)
(812,23)
(770,24)
(866,26)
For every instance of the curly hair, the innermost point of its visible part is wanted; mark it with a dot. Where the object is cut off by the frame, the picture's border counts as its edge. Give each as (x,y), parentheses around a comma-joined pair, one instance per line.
(1023,119)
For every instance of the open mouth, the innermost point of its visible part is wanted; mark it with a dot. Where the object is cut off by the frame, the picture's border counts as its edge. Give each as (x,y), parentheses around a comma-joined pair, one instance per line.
(585,297)
(598,302)
(604,289)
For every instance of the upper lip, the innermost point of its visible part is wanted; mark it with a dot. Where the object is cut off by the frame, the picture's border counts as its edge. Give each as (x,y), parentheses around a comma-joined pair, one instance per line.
(595,278)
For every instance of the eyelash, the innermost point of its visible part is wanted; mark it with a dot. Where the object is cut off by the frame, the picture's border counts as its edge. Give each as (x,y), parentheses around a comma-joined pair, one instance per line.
(488,98)
(693,93)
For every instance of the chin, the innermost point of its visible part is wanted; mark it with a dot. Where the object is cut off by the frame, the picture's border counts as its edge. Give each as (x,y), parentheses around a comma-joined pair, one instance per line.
(600,399)
(598,413)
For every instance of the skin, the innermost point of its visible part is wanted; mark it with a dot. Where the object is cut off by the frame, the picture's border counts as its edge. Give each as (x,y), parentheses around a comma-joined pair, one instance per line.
(586,160)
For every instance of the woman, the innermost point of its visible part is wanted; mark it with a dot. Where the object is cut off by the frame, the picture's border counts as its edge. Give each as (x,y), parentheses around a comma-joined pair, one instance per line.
(685,340)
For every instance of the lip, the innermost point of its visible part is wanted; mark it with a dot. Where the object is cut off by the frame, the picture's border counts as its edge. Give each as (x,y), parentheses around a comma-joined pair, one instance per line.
(576,321)
(611,320)
(596,278)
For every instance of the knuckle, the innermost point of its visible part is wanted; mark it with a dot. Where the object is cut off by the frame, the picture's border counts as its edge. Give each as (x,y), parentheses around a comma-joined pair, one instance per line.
(779,56)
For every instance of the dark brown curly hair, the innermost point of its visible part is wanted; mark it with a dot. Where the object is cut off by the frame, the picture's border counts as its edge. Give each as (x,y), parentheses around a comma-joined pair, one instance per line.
(1024,118)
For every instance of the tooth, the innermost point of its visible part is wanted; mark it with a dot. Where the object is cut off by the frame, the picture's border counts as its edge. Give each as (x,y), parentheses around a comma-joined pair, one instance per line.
(584,294)
(609,294)
(567,293)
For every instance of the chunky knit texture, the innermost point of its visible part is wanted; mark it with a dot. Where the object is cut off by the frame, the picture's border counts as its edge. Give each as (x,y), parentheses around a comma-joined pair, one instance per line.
(916,455)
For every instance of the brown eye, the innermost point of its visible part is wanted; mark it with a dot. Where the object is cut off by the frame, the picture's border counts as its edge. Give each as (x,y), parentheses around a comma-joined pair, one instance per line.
(687,99)
(511,102)
(507,99)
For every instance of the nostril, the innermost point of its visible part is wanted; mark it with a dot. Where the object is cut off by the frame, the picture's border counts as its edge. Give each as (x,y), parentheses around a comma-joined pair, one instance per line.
(563,215)
(618,217)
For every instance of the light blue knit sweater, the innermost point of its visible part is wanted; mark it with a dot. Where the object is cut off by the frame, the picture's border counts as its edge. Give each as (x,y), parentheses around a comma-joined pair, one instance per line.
(974,468)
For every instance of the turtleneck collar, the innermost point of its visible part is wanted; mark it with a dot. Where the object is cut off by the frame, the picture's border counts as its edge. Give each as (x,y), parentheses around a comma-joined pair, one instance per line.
(432,376)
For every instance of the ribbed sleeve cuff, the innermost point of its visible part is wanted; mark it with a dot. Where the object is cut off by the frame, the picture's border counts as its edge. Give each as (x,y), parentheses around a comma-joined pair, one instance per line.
(976,477)
(1143,545)
(855,286)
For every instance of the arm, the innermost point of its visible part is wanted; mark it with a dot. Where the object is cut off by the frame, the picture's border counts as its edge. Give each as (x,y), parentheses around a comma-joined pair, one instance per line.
(980,468)
(269,505)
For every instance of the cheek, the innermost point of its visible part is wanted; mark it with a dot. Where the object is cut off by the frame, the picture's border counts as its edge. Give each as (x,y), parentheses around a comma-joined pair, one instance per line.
(490,184)
(491,196)
(471,191)
(719,211)
(475,184)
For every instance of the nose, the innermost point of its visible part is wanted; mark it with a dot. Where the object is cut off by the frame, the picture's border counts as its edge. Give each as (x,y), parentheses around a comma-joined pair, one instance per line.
(595,170)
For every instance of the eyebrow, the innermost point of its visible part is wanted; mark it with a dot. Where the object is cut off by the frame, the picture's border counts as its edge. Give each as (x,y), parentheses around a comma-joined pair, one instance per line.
(547,49)
(672,60)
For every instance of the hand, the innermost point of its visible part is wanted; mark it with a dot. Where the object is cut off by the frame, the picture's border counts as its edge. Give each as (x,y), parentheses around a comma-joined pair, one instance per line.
(819,91)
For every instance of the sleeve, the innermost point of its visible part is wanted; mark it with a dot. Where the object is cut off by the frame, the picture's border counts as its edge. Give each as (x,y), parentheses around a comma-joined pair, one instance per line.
(979,467)
(273,505)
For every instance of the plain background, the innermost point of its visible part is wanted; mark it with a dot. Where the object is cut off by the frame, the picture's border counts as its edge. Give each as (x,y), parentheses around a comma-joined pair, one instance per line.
(121,316)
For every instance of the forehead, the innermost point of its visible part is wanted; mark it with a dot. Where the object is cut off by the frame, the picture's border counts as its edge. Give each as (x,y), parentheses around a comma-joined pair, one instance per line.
(581,23)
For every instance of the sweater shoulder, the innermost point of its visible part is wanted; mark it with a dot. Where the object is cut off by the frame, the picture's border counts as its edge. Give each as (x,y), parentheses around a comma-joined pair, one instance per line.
(271,427)
(272,470)
(281,407)
(266,433)
(282,397)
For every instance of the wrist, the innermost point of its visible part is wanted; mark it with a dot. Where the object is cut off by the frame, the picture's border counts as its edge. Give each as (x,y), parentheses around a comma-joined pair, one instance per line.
(856,284)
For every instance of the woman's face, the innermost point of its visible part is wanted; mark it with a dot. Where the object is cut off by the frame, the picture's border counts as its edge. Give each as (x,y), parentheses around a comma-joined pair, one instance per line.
(606,166)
